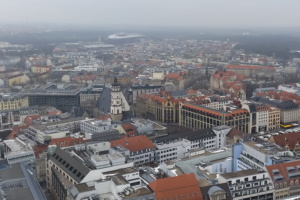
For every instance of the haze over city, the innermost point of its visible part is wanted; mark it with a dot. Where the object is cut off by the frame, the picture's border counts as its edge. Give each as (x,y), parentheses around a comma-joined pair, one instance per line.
(149,100)
(192,13)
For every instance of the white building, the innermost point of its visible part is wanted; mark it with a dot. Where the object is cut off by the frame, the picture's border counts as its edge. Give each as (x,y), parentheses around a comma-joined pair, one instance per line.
(248,184)
(172,150)
(258,155)
(91,126)
(89,163)
(138,148)
(17,151)
(44,133)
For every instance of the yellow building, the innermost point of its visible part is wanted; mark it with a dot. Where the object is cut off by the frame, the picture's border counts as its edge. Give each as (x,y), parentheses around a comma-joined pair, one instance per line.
(162,109)
(11,102)
(17,79)
(40,69)
(274,118)
(125,80)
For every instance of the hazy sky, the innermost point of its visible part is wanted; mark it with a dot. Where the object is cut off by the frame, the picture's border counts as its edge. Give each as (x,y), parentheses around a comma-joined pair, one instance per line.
(193,13)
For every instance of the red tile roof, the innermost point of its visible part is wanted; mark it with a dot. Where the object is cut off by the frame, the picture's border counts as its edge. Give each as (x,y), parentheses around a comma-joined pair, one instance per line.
(39,149)
(129,129)
(15,130)
(179,187)
(191,91)
(281,170)
(174,76)
(135,143)
(289,140)
(104,117)
(29,119)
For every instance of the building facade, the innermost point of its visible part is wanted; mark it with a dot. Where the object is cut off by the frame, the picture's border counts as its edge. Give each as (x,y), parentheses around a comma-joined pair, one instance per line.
(248,184)
(199,117)
(13,101)
(59,96)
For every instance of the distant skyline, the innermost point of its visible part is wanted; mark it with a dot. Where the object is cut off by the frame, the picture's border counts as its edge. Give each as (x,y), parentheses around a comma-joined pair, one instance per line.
(179,13)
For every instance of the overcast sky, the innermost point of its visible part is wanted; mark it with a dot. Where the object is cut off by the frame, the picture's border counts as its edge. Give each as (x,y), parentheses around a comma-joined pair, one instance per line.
(191,13)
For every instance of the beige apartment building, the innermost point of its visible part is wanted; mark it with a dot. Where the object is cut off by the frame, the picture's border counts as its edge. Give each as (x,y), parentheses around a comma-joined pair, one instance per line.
(12,102)
(274,118)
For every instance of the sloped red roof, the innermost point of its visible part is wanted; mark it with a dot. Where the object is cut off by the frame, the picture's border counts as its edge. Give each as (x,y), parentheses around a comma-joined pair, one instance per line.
(104,117)
(129,129)
(179,187)
(15,130)
(135,143)
(191,91)
(28,119)
(282,171)
(288,139)
(39,149)
(174,76)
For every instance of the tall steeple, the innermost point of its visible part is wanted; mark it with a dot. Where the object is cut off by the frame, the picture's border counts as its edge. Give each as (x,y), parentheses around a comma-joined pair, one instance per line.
(116,101)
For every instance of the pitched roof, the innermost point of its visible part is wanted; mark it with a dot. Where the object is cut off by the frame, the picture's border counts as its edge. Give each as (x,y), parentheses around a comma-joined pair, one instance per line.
(39,149)
(235,132)
(133,144)
(129,129)
(289,140)
(208,110)
(284,172)
(73,167)
(174,76)
(103,104)
(179,187)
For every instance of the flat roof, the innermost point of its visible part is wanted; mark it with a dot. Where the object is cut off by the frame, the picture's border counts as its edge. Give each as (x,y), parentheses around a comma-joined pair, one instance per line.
(242,173)
(14,171)
(83,187)
(265,148)
(122,171)
(18,193)
(142,191)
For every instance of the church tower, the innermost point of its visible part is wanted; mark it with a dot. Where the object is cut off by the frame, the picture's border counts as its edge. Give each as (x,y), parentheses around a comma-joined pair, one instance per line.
(116,101)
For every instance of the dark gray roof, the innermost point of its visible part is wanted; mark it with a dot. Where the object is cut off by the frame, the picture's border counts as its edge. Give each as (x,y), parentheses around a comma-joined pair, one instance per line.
(179,93)
(216,99)
(19,175)
(68,164)
(106,135)
(12,172)
(289,104)
(189,135)
(135,87)
(103,104)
